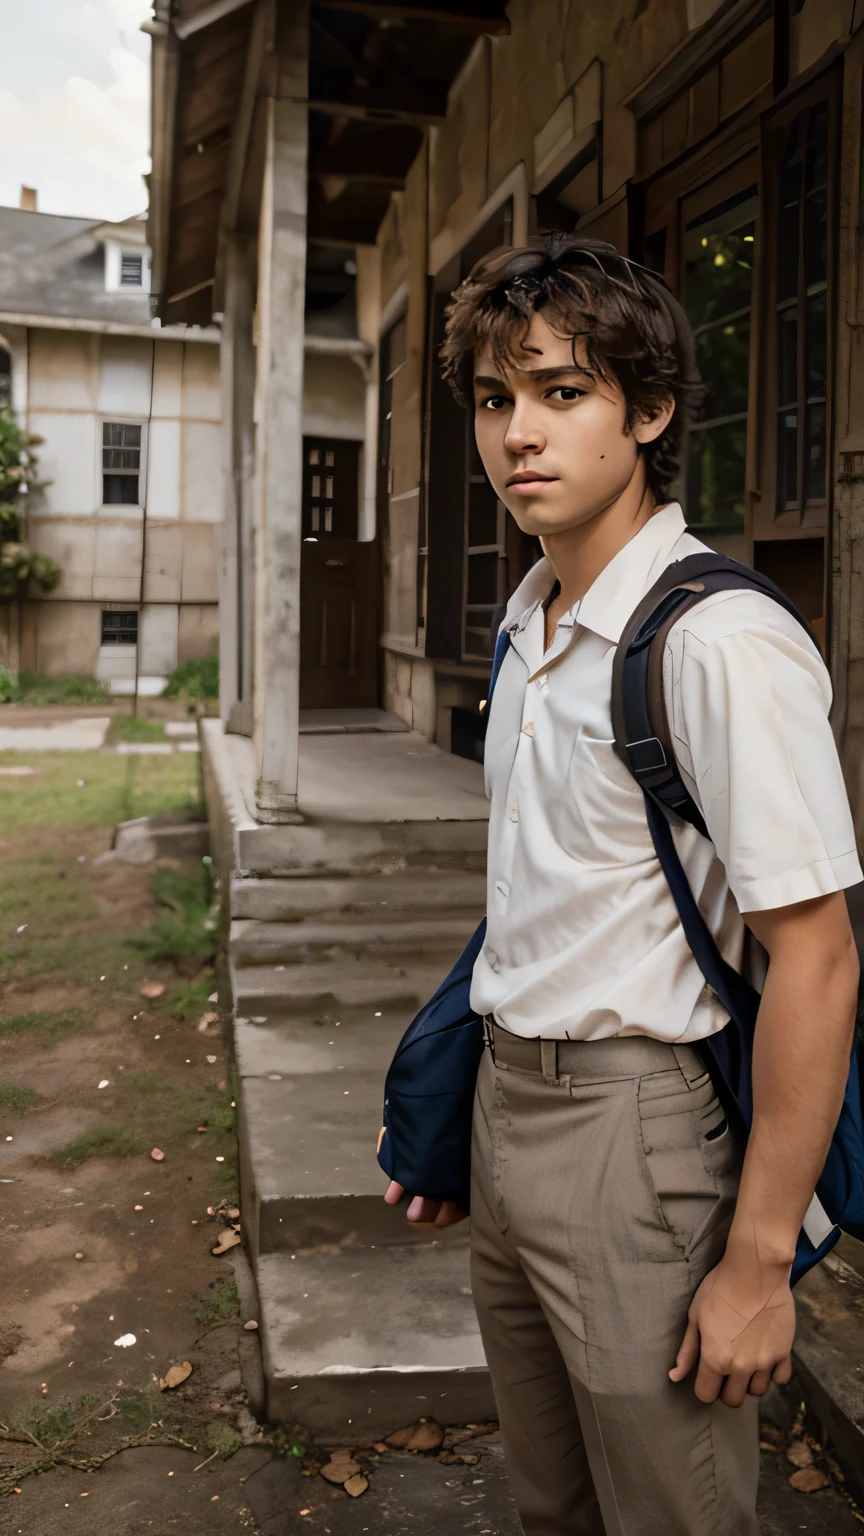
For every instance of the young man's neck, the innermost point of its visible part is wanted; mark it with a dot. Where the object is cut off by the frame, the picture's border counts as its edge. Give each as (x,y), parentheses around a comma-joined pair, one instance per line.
(578,554)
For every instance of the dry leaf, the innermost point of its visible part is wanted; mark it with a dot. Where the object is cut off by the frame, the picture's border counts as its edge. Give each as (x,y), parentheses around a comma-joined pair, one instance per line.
(152,988)
(427,1436)
(356,1485)
(174,1375)
(773,1437)
(157,1155)
(450,1458)
(808,1480)
(227,1239)
(340,1471)
(400,1437)
(799,1454)
(341,1454)
(380,1447)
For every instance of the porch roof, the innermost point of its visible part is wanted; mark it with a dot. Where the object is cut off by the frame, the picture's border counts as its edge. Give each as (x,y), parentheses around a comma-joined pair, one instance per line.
(380,72)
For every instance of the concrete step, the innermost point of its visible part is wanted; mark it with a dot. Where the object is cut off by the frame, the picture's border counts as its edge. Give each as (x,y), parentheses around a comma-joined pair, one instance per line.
(261,943)
(310,1114)
(384,896)
(361,1340)
(265,991)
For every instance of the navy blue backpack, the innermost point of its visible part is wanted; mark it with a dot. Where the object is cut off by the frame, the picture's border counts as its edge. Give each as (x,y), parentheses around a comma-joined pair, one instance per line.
(429,1091)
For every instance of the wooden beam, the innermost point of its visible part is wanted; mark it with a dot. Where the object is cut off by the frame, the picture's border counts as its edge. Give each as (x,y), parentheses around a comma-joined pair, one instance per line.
(396,99)
(475,18)
(186,26)
(243,121)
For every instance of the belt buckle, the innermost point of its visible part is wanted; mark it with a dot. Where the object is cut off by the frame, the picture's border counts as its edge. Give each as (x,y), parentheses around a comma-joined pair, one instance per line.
(489,1035)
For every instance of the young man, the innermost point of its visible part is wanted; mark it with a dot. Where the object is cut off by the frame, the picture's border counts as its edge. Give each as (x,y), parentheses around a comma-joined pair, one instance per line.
(630,1261)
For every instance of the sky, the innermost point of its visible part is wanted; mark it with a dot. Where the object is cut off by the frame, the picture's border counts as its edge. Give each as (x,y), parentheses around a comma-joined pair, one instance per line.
(74,112)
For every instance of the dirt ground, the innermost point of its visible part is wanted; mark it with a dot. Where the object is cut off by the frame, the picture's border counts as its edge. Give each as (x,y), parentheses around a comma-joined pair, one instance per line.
(108,1278)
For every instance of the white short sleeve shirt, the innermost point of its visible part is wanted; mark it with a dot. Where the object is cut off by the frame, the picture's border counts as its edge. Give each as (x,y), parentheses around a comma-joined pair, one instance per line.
(583,939)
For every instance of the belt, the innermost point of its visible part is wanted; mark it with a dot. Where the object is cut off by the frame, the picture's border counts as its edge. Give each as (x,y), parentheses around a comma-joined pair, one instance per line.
(590,1060)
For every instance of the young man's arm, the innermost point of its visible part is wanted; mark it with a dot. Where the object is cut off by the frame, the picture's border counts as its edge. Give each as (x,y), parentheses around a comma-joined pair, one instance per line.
(742,1319)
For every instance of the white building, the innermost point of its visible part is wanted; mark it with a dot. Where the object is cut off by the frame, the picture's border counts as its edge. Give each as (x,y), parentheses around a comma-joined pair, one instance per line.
(130,416)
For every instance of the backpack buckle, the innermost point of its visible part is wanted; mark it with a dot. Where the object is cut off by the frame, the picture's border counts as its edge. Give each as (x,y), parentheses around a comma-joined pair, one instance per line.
(647,756)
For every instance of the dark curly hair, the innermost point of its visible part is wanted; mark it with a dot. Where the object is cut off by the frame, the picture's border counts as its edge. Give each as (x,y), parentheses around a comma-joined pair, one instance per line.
(634,331)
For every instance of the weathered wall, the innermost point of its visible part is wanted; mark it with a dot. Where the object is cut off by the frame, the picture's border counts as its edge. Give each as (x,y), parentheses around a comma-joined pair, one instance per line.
(334,397)
(599,64)
(75,382)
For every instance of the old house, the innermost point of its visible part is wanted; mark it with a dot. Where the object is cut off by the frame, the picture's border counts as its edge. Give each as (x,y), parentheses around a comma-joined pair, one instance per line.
(129,414)
(717,141)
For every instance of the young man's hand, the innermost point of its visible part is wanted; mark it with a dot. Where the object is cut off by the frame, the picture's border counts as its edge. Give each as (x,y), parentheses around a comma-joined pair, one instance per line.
(740,1329)
(426,1213)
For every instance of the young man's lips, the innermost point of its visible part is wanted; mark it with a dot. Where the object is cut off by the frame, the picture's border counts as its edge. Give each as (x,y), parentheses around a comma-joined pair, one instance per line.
(530,482)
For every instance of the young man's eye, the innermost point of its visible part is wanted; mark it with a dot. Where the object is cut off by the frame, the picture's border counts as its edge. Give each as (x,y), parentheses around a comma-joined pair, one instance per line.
(494,403)
(567,392)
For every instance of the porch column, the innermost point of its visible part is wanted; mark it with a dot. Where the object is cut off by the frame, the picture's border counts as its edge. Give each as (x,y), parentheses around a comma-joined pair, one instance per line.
(235,559)
(279,418)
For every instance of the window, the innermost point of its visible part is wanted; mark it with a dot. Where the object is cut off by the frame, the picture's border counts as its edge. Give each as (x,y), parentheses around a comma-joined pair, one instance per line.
(719,248)
(801,313)
(121,464)
(131,270)
(120,627)
(330,488)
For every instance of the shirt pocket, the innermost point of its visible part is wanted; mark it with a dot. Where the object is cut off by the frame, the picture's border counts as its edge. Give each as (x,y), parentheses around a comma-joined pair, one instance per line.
(599,817)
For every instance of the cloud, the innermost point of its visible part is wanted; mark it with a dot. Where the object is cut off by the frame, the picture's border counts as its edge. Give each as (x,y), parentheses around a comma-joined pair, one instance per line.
(77,126)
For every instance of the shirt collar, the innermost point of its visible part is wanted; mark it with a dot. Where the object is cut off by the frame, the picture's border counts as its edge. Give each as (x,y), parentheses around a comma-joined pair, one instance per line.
(621,585)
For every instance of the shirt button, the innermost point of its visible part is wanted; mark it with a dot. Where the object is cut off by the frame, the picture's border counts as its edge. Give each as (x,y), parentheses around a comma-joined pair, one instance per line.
(528,730)
(514,813)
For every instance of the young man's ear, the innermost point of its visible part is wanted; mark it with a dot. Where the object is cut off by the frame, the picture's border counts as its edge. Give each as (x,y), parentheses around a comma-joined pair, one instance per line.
(648,428)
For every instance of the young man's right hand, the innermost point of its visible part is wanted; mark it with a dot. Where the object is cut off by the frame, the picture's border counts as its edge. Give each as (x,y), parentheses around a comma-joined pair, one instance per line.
(425,1213)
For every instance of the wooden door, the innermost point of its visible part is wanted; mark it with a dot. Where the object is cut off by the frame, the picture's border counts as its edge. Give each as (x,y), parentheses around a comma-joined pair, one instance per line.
(338,591)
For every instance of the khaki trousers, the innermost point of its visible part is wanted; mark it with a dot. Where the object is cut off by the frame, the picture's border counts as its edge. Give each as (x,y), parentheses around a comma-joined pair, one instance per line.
(600,1199)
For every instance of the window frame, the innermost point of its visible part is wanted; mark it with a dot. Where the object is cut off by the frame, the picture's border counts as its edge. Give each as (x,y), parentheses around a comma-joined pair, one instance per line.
(804,519)
(123,421)
(121,639)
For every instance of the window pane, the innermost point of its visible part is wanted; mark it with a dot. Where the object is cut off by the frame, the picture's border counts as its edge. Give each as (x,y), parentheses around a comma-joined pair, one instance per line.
(718,276)
(120,627)
(815,468)
(120,434)
(328,519)
(816,236)
(328,489)
(316,519)
(788,222)
(715,475)
(316,486)
(787,460)
(120,490)
(817,147)
(817,343)
(313,456)
(723,354)
(329,458)
(787,368)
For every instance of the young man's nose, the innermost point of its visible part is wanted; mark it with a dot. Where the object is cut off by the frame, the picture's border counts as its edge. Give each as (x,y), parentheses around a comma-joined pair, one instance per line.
(524,435)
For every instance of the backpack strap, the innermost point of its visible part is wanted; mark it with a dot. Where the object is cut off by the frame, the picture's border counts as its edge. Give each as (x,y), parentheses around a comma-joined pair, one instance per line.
(643,740)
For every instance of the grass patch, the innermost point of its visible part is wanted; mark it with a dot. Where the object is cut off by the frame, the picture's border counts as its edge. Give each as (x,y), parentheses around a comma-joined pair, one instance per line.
(133,728)
(33,688)
(17,1099)
(187,928)
(114,789)
(55,1424)
(102,1141)
(193,998)
(219,1303)
(48,1026)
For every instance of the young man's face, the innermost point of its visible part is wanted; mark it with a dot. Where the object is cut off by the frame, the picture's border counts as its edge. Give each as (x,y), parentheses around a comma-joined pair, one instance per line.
(552,434)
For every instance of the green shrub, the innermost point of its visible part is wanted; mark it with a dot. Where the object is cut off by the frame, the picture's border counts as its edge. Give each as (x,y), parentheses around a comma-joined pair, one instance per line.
(194,679)
(8,686)
(32,688)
